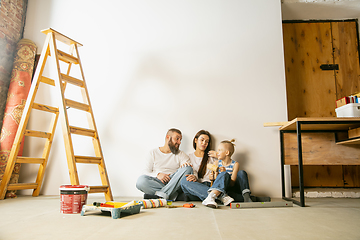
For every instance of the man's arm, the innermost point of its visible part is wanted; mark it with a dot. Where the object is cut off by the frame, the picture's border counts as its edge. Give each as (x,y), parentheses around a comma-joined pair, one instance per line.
(149,165)
(150,171)
(184,160)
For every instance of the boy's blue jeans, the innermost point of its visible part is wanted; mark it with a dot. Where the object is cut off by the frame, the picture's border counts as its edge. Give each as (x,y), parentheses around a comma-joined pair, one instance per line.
(152,185)
(194,190)
(240,187)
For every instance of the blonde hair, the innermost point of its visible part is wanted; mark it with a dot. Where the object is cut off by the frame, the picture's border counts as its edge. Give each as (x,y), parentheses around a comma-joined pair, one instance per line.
(230,146)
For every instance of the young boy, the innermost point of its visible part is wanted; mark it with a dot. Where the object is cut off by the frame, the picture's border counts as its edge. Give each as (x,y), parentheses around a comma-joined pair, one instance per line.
(226,164)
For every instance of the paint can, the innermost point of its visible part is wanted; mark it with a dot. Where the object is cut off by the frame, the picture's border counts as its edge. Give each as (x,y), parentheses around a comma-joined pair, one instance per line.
(72,198)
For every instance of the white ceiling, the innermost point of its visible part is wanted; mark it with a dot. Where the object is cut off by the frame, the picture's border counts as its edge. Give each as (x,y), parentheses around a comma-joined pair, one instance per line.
(320,9)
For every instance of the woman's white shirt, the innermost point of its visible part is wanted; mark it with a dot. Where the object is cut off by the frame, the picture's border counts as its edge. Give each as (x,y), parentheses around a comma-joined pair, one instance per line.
(196,161)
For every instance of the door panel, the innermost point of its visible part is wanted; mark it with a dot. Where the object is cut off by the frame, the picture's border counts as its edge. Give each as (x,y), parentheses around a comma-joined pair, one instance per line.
(345,43)
(310,90)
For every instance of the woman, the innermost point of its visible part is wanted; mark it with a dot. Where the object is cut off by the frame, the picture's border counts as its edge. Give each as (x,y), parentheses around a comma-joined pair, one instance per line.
(196,186)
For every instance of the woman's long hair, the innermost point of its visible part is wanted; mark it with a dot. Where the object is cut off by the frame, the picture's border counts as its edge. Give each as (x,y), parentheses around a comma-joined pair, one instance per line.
(204,161)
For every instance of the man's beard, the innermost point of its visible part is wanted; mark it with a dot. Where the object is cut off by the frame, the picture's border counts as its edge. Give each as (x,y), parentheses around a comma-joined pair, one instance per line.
(172,146)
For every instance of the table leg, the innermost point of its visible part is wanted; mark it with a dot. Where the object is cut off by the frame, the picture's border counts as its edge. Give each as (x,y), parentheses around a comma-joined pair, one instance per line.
(282,157)
(301,176)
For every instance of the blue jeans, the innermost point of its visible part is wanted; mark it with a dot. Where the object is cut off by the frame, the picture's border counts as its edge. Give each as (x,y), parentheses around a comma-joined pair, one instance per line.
(240,187)
(195,190)
(152,185)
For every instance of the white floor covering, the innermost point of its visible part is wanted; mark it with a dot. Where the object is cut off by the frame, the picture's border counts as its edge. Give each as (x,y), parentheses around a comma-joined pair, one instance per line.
(39,218)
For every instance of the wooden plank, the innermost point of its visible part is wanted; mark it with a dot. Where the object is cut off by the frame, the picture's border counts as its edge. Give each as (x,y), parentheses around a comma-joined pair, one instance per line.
(77,105)
(318,176)
(346,54)
(82,131)
(30,160)
(21,186)
(326,126)
(353,133)
(310,90)
(44,107)
(32,133)
(61,37)
(98,189)
(354,141)
(72,80)
(47,80)
(86,159)
(67,57)
(274,124)
(320,149)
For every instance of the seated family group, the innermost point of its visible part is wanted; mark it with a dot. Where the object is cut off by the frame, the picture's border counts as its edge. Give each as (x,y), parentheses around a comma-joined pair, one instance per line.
(204,174)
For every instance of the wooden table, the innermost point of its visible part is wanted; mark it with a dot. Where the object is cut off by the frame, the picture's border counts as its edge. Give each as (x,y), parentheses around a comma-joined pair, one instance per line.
(326,124)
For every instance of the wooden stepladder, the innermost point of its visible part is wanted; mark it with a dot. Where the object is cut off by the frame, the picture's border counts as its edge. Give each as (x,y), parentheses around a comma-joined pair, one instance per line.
(60,82)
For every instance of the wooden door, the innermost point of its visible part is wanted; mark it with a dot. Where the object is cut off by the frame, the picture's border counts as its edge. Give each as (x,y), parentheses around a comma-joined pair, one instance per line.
(346,54)
(312,92)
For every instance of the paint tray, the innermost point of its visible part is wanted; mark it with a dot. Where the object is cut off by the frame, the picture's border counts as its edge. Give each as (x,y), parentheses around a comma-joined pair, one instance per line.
(115,212)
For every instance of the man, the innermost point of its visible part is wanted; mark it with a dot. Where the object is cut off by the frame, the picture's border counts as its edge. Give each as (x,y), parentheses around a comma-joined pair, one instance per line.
(164,169)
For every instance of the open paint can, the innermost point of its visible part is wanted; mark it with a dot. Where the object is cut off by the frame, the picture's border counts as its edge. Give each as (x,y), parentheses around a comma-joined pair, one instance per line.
(72,198)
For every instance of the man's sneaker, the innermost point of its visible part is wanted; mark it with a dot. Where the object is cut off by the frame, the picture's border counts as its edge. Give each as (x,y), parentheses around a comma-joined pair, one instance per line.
(150,196)
(226,199)
(210,201)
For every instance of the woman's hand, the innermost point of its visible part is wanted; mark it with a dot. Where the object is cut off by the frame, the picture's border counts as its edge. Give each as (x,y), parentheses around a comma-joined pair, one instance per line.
(191,178)
(212,153)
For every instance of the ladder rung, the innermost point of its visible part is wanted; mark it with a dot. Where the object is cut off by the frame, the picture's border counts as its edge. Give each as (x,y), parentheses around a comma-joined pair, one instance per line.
(72,80)
(85,159)
(32,133)
(20,186)
(77,105)
(98,189)
(47,80)
(46,108)
(30,160)
(65,57)
(82,131)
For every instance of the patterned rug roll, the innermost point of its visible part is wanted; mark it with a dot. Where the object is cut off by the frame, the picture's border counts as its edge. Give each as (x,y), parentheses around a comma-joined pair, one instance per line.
(18,91)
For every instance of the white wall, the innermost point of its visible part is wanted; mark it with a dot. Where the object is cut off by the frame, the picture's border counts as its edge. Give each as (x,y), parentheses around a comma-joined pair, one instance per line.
(152,65)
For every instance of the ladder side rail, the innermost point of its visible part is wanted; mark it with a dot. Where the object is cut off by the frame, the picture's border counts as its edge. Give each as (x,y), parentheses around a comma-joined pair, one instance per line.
(71,50)
(96,140)
(24,120)
(90,114)
(46,153)
(74,178)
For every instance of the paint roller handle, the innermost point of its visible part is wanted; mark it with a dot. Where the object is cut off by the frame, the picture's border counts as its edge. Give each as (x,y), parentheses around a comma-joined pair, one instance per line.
(97,204)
